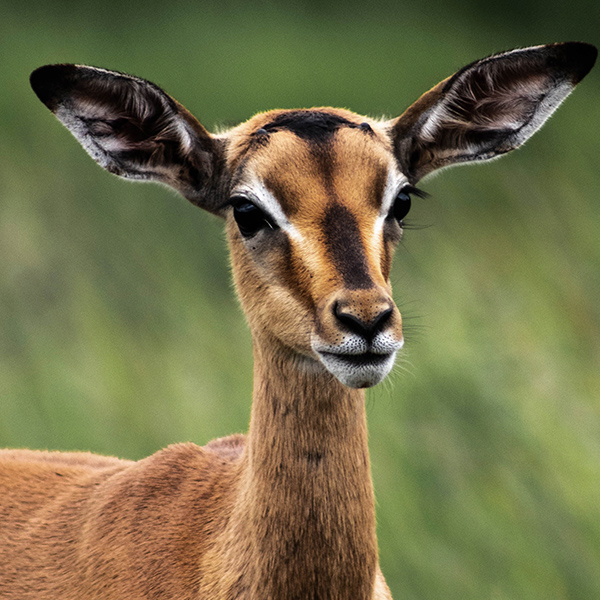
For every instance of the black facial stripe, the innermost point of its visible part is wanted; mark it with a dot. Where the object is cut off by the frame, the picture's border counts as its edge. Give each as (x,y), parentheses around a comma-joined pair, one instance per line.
(291,198)
(311,125)
(344,246)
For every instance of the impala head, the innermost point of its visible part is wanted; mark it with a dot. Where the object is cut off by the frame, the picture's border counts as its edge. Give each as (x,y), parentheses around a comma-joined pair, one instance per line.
(313,229)
(314,200)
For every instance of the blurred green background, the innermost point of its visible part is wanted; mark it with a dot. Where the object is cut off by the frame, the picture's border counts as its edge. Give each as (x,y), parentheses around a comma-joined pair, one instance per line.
(120,334)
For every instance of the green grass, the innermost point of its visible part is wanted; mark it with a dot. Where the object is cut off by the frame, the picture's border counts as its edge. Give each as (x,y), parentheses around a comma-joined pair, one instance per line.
(119,331)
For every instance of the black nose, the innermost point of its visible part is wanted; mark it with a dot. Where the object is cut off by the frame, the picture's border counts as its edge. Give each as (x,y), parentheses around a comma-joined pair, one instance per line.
(356,322)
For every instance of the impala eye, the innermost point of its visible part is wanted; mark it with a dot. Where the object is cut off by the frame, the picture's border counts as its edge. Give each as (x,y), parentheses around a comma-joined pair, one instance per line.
(249,218)
(402,202)
(401,206)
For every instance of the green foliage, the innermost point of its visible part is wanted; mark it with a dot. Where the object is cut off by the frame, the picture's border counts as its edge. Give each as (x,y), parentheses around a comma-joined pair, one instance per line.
(119,332)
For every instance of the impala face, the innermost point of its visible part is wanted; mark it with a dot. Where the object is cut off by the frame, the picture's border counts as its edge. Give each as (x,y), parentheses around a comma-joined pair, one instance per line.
(317,208)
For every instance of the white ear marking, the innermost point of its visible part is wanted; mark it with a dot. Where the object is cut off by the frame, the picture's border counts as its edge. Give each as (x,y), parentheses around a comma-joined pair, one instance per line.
(488,108)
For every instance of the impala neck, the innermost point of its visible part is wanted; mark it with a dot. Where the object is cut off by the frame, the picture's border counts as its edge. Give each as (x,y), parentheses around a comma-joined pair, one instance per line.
(308,483)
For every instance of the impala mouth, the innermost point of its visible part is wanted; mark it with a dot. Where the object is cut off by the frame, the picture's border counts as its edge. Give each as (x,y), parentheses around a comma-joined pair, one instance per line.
(358,360)
(358,370)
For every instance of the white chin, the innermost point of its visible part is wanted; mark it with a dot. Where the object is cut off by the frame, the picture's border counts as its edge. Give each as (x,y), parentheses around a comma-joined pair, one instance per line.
(358,370)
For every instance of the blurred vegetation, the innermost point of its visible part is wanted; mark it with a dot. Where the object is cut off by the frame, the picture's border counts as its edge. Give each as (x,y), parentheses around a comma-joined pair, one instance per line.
(119,332)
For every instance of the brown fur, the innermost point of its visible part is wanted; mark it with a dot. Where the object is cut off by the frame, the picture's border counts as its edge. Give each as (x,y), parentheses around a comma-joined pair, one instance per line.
(286,513)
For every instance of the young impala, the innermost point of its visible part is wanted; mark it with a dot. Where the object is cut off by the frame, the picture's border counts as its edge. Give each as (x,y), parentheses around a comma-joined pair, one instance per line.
(313,202)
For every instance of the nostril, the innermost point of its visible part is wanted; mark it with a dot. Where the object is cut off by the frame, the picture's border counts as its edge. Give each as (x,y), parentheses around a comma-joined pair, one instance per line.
(357,324)
(381,319)
(352,322)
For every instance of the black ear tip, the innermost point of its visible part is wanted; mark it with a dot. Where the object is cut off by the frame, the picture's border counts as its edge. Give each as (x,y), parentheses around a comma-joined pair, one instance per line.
(50,82)
(580,58)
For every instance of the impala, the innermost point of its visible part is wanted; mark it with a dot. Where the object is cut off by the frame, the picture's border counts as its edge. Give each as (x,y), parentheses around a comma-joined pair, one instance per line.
(313,202)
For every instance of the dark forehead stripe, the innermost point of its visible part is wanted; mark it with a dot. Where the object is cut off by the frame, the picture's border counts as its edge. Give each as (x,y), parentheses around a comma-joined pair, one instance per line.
(311,125)
(320,151)
(344,246)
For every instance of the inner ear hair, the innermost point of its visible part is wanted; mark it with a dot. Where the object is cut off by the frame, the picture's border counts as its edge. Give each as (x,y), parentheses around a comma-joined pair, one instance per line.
(489,107)
(133,129)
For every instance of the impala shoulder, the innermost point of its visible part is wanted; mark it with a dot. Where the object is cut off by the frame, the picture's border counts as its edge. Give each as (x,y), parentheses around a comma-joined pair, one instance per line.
(229,447)
(180,464)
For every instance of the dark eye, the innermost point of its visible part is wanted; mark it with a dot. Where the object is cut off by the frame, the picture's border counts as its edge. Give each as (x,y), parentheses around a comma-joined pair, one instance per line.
(249,218)
(401,206)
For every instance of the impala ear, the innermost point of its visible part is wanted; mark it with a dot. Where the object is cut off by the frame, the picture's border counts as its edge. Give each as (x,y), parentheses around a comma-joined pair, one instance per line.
(488,108)
(133,129)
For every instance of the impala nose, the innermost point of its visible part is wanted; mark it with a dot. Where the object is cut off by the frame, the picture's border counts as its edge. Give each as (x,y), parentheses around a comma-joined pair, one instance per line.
(358,324)
(357,335)
(366,318)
